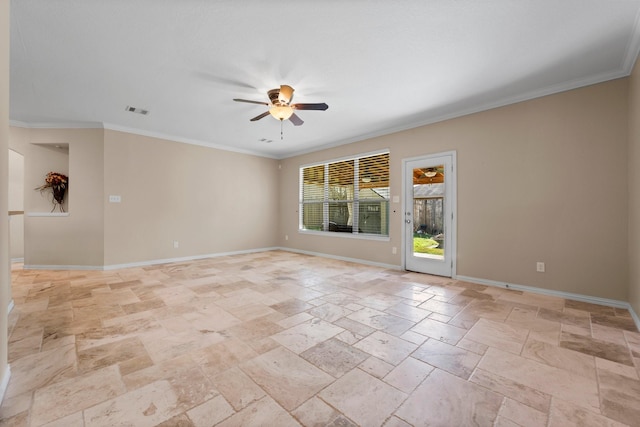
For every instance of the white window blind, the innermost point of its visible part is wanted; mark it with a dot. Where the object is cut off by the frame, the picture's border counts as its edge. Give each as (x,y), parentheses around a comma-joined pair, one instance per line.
(346,196)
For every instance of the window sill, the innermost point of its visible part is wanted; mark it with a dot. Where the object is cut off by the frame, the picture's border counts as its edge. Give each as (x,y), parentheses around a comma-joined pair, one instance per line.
(359,236)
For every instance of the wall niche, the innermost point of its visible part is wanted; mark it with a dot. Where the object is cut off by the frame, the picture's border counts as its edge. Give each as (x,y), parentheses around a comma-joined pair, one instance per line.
(47,158)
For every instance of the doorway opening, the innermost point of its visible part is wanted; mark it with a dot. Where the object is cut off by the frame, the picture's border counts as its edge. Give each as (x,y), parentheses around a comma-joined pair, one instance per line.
(429,238)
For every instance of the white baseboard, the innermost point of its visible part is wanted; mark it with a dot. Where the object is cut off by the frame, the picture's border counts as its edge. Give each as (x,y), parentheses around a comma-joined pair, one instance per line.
(143,263)
(11,305)
(17,260)
(61,267)
(183,259)
(341,258)
(560,294)
(5,382)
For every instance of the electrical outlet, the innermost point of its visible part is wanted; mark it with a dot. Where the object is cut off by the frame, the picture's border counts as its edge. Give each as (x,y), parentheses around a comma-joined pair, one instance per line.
(540,267)
(394,250)
(176,245)
(286,237)
(115,199)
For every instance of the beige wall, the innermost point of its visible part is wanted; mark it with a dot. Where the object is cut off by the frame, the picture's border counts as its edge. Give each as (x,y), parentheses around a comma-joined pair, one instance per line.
(16,203)
(5,276)
(543,180)
(634,189)
(209,201)
(76,239)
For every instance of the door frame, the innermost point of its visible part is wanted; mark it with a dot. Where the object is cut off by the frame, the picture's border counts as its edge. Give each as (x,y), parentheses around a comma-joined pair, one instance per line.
(449,181)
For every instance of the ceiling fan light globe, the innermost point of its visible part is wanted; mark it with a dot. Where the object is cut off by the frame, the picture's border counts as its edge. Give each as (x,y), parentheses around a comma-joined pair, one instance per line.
(281,112)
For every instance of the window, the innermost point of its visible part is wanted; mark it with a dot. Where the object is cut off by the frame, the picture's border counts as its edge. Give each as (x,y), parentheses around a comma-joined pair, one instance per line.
(346,196)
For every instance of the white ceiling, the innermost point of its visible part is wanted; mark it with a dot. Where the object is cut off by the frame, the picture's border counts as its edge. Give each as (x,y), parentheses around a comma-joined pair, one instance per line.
(381,65)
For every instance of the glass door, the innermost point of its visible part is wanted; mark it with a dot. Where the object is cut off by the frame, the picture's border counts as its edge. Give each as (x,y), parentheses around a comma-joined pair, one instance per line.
(429,215)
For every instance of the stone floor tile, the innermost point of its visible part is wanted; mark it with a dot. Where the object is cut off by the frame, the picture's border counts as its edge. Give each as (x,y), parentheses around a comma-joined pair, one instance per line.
(522,414)
(514,390)
(497,334)
(145,406)
(181,420)
(408,374)
(380,320)
(237,388)
(111,353)
(41,369)
(264,412)
(73,420)
(287,378)
(444,399)
(591,346)
(542,377)
(375,403)
(376,367)
(439,331)
(564,414)
(305,335)
(569,360)
(75,394)
(620,397)
(386,347)
(334,357)
(454,360)
(210,412)
(315,413)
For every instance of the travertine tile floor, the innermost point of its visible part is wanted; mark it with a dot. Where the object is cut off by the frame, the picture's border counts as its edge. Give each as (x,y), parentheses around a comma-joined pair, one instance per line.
(279,339)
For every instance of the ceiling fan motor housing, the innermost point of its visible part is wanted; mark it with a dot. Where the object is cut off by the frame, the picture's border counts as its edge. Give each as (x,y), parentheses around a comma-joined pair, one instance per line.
(273,96)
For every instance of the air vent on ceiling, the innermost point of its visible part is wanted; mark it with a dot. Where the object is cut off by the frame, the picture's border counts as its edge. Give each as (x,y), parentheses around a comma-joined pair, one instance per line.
(137,110)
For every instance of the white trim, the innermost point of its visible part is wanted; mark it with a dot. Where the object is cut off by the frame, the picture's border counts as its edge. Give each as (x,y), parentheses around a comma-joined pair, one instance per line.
(567,295)
(47,214)
(182,259)
(351,157)
(437,118)
(9,308)
(5,382)
(191,141)
(61,267)
(144,263)
(361,236)
(341,258)
(56,125)
(134,131)
(17,259)
(451,199)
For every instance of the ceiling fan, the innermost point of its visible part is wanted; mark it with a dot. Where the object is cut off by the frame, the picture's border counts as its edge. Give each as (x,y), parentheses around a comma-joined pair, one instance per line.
(280,106)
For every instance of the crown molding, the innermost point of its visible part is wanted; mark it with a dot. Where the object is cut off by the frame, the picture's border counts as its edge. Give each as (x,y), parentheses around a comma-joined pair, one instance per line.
(191,141)
(56,125)
(436,118)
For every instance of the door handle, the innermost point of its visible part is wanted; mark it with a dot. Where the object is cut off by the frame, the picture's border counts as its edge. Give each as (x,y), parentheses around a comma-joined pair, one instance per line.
(408,221)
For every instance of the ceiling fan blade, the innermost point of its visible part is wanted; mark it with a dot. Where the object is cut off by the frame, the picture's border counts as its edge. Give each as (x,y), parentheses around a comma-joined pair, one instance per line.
(250,101)
(321,106)
(265,114)
(297,121)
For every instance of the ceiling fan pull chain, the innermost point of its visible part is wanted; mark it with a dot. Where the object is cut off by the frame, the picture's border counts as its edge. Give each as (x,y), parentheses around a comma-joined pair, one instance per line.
(281,135)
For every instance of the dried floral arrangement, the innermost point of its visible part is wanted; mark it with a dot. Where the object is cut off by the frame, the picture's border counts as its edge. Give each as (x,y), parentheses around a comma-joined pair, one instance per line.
(58,184)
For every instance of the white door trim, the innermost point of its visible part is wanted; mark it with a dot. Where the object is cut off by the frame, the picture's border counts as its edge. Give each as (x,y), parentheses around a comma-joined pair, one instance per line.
(452,181)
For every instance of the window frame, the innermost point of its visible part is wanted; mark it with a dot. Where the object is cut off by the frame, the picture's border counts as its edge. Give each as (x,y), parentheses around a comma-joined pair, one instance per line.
(356,201)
